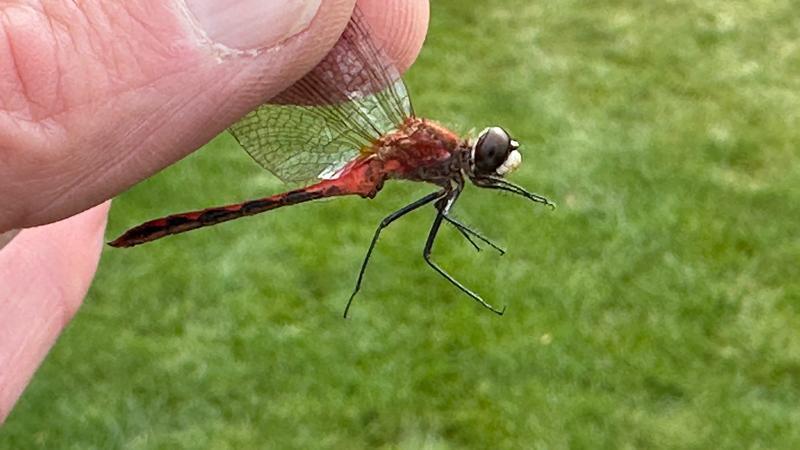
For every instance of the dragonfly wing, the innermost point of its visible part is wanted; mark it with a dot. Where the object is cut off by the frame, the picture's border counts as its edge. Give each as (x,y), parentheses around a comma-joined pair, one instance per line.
(336,112)
(295,144)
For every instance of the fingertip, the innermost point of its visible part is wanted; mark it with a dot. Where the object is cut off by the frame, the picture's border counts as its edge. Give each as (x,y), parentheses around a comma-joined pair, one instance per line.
(399,25)
(45,273)
(53,265)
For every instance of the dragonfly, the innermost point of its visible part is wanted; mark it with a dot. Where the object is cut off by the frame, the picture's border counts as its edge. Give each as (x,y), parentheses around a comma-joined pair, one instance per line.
(346,128)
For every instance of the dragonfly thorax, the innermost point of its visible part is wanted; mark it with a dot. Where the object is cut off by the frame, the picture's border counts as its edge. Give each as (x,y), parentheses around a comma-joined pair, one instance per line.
(494,153)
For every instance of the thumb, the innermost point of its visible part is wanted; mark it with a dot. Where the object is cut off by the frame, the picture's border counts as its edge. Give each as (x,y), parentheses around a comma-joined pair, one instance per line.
(99,94)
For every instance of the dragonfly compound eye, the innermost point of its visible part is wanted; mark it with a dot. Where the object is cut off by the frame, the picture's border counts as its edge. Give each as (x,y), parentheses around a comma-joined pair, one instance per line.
(495,152)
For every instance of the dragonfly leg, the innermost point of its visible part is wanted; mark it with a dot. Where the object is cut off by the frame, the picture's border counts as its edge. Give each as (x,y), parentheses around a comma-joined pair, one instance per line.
(426,253)
(385,223)
(505,185)
(465,234)
(466,231)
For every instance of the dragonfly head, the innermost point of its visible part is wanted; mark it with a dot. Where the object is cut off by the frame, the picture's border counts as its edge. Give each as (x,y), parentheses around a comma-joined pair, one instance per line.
(494,153)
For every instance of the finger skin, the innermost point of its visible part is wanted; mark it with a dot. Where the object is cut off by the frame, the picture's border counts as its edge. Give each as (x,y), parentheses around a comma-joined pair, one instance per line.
(81,121)
(44,275)
(399,25)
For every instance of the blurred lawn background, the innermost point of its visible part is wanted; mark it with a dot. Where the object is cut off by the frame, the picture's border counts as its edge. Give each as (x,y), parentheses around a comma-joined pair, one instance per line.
(657,307)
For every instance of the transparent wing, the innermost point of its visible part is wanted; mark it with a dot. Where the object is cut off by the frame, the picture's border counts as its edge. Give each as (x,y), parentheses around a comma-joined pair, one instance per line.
(336,112)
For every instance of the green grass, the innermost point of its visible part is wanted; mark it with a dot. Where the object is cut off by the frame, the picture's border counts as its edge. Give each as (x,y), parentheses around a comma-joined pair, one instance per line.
(657,307)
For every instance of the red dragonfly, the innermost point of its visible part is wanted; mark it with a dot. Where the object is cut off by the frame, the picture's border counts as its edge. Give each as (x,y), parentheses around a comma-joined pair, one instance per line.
(350,126)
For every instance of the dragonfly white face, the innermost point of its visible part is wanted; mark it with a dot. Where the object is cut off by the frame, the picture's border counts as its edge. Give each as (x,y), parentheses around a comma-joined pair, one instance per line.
(495,153)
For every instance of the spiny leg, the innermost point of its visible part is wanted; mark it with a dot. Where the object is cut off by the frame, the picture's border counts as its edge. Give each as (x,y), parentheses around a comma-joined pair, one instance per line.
(444,202)
(505,185)
(426,253)
(385,223)
(519,190)
(465,234)
(466,231)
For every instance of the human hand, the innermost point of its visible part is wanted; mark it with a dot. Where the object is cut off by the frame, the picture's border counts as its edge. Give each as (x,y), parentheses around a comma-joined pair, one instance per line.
(100,94)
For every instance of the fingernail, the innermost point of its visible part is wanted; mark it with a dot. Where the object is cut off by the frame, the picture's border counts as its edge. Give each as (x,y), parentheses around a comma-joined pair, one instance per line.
(252,24)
